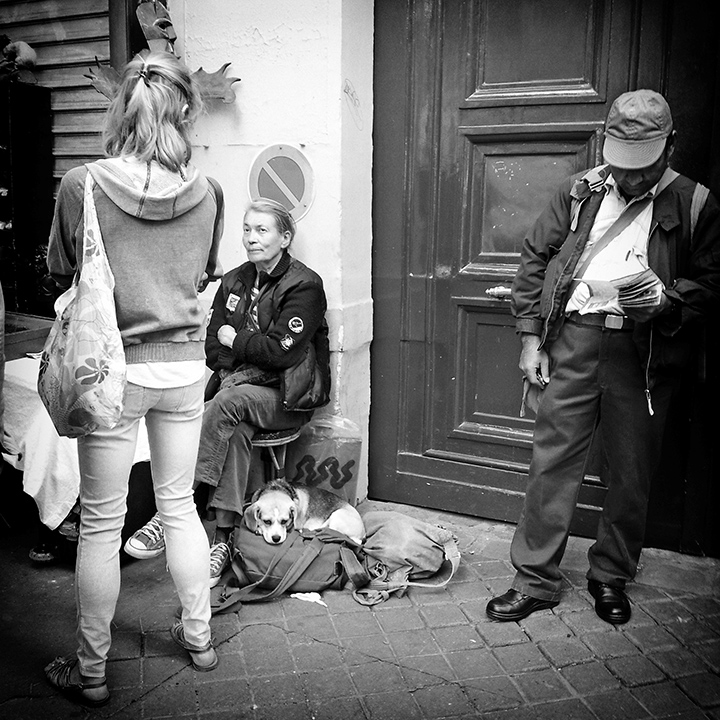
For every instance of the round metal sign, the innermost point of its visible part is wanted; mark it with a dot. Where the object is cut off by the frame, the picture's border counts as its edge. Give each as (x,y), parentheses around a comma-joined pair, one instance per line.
(282,173)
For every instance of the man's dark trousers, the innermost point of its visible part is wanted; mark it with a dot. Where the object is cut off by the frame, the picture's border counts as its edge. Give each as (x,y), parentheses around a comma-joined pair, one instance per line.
(596,381)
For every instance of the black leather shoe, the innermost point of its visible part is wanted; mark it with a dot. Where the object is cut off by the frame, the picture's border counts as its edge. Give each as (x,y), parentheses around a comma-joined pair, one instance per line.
(611,603)
(516,606)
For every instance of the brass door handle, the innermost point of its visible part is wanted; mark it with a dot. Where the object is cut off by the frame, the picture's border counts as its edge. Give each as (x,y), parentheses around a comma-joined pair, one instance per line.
(499,293)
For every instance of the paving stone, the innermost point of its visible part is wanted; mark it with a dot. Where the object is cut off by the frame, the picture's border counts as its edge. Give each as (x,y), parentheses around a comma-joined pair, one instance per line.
(521,658)
(494,569)
(360,650)
(392,706)
(709,653)
(641,593)
(415,642)
(702,607)
(224,695)
(573,601)
(340,709)
(663,699)
(357,624)
(436,616)
(397,619)
(586,621)
(125,644)
(639,618)
(617,705)
(260,637)
(477,663)
(170,699)
(466,571)
(653,637)
(591,677)
(496,634)
(231,667)
(544,626)
(328,683)
(690,632)
(260,612)
(469,591)
(457,637)
(426,670)
(377,677)
(272,690)
(667,610)
(269,660)
(542,685)
(565,651)
(635,670)
(495,693)
(157,670)
(678,662)
(309,629)
(605,644)
(563,709)
(286,711)
(430,596)
(445,701)
(474,610)
(520,713)
(317,656)
(124,673)
(704,689)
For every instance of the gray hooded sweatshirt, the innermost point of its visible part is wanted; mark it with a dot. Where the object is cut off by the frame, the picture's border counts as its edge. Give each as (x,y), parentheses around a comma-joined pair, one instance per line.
(161,233)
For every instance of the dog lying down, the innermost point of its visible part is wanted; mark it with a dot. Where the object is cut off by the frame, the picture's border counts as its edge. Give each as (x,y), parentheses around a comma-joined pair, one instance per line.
(279,506)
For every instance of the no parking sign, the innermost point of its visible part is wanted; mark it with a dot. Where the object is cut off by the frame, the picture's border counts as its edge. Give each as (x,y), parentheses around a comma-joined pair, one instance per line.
(282,173)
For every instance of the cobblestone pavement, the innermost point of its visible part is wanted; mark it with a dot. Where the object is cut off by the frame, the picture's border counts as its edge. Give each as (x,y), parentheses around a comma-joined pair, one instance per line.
(432,654)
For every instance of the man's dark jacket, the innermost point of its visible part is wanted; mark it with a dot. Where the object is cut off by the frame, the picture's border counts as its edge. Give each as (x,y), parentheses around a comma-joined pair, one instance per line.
(689,269)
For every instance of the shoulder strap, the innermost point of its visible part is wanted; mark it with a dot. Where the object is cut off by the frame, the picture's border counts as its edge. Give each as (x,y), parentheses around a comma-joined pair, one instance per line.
(220,198)
(700,196)
(628,215)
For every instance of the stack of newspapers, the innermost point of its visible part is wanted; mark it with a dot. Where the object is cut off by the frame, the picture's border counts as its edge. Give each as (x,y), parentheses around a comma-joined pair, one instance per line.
(643,289)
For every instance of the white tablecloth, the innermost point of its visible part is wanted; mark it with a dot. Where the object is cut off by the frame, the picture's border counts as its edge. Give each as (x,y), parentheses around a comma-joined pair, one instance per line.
(49,462)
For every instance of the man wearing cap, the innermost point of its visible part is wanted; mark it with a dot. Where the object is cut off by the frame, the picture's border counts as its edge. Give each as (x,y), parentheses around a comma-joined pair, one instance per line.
(613,275)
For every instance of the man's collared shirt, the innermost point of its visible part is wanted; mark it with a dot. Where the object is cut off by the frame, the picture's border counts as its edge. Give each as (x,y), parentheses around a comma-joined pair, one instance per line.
(625,255)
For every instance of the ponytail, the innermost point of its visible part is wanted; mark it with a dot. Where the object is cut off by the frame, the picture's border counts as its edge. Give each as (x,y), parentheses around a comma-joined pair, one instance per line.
(151,116)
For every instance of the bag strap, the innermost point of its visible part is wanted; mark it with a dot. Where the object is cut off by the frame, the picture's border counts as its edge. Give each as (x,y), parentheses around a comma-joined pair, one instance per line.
(700,196)
(357,574)
(220,199)
(622,222)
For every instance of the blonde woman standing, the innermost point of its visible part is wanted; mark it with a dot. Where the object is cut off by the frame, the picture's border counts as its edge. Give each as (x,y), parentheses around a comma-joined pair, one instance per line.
(161,223)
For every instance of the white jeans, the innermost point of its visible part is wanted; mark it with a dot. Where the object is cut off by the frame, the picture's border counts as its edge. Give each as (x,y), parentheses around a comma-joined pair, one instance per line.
(174,419)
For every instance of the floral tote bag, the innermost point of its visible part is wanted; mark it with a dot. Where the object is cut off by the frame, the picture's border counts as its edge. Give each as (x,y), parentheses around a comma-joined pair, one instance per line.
(82,368)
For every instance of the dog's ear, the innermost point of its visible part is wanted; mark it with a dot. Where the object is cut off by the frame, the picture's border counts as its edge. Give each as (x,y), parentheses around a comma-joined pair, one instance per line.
(293,514)
(250,517)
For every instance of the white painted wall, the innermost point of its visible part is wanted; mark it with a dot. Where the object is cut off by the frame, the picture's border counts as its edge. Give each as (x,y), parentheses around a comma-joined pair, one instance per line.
(306,80)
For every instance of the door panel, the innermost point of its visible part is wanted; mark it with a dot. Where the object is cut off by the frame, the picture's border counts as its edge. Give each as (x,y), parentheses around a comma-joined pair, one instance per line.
(475,126)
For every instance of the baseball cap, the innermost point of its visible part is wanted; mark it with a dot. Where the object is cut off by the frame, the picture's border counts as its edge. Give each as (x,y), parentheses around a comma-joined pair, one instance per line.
(636,129)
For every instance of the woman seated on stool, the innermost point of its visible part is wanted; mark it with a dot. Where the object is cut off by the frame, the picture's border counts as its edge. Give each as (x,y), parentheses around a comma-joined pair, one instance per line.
(266,316)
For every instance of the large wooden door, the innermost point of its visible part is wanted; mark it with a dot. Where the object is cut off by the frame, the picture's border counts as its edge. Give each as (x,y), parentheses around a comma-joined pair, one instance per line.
(482,108)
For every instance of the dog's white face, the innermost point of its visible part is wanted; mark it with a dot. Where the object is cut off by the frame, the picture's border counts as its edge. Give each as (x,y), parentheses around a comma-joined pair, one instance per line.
(272,514)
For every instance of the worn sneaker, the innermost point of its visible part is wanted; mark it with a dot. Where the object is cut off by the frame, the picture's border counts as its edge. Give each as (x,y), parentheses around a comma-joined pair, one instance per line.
(219,557)
(148,541)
